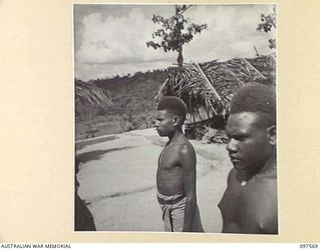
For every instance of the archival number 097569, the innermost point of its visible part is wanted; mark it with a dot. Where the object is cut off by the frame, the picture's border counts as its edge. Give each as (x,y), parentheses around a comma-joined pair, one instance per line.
(308,245)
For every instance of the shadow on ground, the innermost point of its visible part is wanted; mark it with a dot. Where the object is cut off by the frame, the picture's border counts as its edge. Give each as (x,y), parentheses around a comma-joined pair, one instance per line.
(82,144)
(97,154)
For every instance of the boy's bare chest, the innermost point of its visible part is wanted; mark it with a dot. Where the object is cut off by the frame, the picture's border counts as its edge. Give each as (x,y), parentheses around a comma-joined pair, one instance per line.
(169,158)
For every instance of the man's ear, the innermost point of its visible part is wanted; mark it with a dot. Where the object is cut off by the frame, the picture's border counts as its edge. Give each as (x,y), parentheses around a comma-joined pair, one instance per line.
(176,121)
(272,133)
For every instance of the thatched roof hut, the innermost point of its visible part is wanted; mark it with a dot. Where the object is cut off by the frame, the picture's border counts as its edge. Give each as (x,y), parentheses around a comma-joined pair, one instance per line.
(207,88)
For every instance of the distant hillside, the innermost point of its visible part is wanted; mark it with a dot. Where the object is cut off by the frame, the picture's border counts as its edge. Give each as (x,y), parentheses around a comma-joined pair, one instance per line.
(133,97)
(133,94)
(133,104)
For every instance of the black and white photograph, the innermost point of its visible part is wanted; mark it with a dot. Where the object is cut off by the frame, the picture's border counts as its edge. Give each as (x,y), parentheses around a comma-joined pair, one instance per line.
(175,118)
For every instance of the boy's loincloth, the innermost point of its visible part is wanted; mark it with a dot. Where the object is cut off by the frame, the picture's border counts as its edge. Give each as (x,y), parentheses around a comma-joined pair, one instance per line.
(173,209)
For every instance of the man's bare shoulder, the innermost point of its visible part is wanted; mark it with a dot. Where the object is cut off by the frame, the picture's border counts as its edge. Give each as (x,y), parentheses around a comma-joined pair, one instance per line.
(186,148)
(186,145)
(232,177)
(264,184)
(186,153)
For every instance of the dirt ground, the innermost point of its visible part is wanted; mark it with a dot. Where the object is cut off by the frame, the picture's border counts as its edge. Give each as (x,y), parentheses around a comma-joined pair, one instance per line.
(118,181)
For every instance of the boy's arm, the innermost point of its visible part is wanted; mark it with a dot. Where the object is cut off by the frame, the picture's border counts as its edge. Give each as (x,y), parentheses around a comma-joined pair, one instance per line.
(188,163)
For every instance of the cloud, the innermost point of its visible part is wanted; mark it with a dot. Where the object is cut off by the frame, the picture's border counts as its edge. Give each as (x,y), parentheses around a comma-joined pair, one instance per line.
(231,32)
(117,40)
(109,44)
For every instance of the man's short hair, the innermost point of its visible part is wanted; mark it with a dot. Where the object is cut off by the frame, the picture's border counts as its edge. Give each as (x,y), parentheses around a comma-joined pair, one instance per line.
(256,98)
(173,105)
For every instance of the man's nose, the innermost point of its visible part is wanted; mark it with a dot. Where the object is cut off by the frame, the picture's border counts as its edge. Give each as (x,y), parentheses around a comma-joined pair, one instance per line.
(156,124)
(232,145)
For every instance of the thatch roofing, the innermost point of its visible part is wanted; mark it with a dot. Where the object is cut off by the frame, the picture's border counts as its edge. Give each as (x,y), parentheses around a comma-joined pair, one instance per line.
(207,88)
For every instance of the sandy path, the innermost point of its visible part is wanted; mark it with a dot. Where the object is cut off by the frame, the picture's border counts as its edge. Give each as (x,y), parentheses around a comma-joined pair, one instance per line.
(118,179)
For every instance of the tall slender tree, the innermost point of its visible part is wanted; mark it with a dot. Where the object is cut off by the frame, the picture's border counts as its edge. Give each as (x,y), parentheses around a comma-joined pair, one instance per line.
(269,22)
(175,32)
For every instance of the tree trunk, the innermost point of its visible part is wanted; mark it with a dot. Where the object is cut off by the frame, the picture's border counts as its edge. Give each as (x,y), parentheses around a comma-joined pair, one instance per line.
(180,58)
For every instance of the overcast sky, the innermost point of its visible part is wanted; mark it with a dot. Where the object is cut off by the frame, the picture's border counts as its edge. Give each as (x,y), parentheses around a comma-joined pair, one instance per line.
(110,39)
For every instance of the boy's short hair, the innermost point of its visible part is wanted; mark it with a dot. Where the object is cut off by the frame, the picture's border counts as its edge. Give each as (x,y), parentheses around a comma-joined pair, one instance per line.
(173,105)
(256,98)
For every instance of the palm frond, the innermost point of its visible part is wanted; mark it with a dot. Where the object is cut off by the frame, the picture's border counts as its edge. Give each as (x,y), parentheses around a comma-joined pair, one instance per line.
(90,94)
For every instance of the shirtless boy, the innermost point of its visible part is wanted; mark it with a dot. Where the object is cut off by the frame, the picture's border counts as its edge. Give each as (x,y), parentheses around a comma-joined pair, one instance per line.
(176,175)
(249,204)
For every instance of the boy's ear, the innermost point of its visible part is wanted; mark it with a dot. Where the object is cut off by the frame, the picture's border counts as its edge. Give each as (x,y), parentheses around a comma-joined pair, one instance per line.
(272,133)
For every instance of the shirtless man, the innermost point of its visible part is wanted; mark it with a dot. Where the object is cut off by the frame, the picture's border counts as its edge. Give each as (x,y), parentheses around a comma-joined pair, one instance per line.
(176,175)
(249,204)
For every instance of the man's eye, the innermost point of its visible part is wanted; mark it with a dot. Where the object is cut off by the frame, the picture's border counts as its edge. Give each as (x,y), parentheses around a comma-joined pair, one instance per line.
(240,138)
